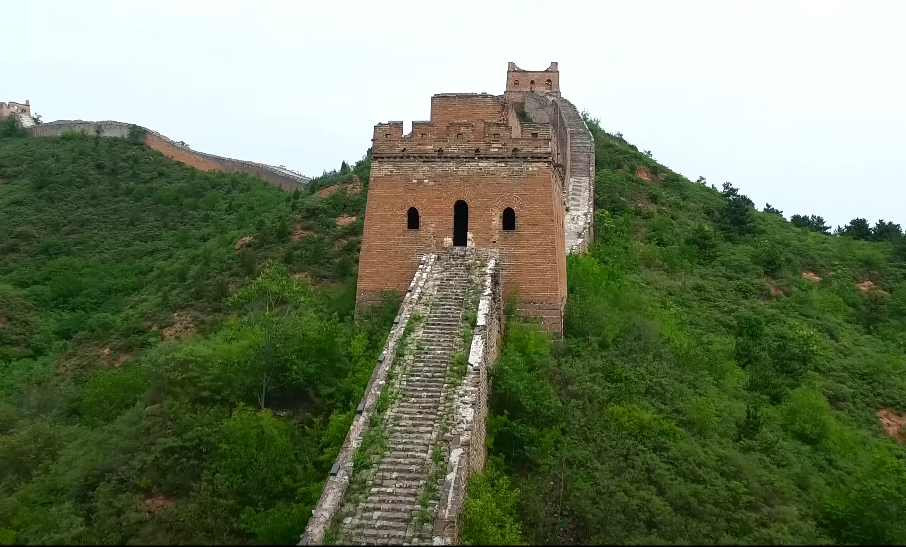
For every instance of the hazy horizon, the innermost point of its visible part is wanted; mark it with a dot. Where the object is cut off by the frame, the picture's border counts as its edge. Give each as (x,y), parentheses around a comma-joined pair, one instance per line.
(797,103)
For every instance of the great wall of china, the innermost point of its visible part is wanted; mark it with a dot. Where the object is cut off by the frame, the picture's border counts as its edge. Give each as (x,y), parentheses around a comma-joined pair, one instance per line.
(479,203)
(280,177)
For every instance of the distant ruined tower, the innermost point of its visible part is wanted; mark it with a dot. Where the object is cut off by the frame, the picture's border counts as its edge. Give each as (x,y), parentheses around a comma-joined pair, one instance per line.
(10,108)
(485,172)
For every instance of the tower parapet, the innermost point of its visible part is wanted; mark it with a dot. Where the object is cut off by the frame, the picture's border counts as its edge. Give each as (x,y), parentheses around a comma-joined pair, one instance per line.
(519,81)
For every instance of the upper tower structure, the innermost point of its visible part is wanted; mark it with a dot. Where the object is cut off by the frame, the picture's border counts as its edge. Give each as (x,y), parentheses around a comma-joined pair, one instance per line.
(488,172)
(519,81)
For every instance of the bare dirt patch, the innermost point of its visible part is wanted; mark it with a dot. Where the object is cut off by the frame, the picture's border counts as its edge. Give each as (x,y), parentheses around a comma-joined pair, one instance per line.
(892,422)
(811,276)
(344,220)
(298,234)
(324,192)
(776,290)
(243,241)
(644,173)
(158,503)
(304,276)
(868,286)
(182,326)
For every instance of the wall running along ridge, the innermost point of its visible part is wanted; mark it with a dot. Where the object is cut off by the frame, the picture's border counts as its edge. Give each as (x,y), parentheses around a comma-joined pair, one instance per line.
(579,164)
(282,178)
(338,480)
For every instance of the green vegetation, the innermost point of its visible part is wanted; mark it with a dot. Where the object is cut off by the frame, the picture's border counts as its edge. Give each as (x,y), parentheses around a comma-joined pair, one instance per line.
(706,390)
(163,379)
(179,362)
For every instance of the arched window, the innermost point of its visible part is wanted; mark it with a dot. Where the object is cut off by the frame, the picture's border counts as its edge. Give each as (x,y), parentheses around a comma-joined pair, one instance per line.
(515,83)
(531,85)
(548,84)
(509,220)
(412,218)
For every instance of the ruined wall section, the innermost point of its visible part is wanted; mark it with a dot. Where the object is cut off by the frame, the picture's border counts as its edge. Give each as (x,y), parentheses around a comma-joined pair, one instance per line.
(334,492)
(470,408)
(12,107)
(572,133)
(281,178)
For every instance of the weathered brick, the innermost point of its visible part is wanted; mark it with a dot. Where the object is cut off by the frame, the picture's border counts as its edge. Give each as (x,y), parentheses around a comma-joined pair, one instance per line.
(475,149)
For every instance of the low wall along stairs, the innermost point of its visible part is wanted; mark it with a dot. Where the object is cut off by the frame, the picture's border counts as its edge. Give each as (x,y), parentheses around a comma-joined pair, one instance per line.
(277,176)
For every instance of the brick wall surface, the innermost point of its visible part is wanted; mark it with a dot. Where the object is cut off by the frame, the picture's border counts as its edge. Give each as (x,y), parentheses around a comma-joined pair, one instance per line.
(475,149)
(519,80)
(533,256)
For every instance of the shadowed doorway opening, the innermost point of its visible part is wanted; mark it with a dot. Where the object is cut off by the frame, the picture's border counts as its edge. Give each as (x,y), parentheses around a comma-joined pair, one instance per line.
(460,223)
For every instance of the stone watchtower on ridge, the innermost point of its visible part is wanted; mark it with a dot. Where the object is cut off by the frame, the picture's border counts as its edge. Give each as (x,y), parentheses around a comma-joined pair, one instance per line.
(486,172)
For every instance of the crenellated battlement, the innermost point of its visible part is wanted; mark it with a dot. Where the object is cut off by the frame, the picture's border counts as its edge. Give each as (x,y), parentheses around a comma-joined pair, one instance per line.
(465,125)
(462,139)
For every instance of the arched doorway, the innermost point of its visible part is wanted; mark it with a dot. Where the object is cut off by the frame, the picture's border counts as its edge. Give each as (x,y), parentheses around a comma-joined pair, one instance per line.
(460,223)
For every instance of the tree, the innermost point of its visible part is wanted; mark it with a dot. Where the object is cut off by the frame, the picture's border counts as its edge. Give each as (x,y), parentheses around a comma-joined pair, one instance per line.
(702,180)
(857,228)
(267,301)
(768,208)
(813,223)
(737,214)
(886,231)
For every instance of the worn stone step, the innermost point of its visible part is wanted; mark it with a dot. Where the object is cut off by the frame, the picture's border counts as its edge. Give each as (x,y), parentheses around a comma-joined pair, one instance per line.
(426,375)
(405,458)
(412,479)
(415,403)
(407,413)
(417,420)
(420,380)
(405,454)
(394,500)
(414,430)
(391,520)
(404,476)
(420,393)
(392,492)
(373,535)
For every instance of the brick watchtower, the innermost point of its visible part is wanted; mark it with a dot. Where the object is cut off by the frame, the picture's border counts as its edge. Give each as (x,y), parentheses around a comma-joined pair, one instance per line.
(477,174)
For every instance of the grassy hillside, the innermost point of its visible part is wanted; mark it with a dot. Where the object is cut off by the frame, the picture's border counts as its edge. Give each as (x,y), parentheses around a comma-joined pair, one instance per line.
(165,378)
(142,330)
(718,383)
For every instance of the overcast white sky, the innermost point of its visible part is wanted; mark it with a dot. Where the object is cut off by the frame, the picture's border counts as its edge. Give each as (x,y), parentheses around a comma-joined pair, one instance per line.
(799,103)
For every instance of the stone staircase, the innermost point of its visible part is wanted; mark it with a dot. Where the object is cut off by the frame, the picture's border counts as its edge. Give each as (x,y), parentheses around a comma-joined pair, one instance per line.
(393,494)
(580,187)
(26,120)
